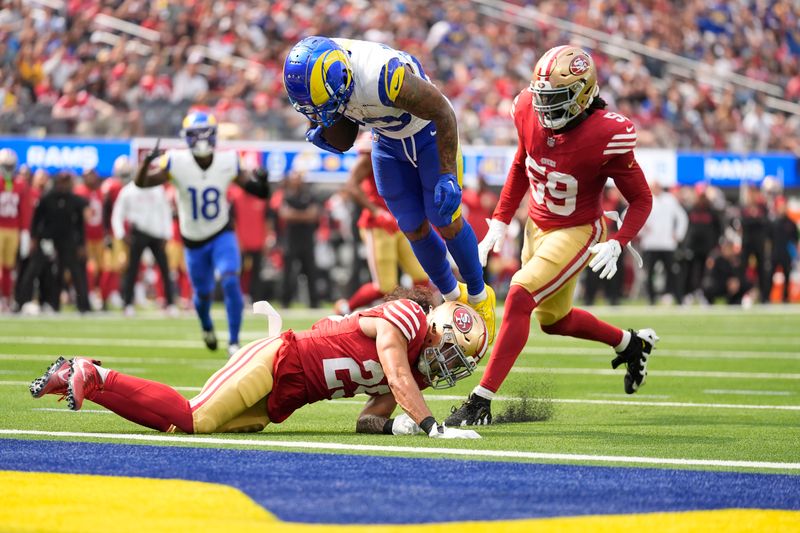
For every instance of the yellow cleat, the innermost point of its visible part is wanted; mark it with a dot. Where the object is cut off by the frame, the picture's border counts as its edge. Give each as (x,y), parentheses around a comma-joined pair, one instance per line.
(485,308)
(464,295)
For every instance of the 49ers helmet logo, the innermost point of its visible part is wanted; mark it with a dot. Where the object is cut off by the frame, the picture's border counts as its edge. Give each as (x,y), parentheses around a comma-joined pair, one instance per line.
(579,65)
(462,320)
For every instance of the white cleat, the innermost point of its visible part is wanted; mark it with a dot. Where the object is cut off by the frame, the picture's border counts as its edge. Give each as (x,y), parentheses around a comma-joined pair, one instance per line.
(232,349)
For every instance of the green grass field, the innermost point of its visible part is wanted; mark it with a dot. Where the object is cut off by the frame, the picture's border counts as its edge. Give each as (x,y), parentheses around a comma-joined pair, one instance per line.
(724,385)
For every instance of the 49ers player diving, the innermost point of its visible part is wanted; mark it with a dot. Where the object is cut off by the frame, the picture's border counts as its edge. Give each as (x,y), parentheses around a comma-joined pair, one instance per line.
(388,352)
(569,145)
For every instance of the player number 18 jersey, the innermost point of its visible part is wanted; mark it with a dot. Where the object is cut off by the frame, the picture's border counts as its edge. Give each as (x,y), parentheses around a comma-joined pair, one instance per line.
(203,208)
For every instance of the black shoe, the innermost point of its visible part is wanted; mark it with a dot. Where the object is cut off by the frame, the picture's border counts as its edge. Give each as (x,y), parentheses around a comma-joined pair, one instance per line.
(210,338)
(635,357)
(476,411)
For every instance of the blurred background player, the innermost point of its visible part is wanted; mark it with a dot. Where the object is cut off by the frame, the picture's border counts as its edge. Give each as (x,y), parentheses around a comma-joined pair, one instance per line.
(57,234)
(143,219)
(90,190)
(416,157)
(251,216)
(202,176)
(14,218)
(115,255)
(557,118)
(659,238)
(386,247)
(389,352)
(300,212)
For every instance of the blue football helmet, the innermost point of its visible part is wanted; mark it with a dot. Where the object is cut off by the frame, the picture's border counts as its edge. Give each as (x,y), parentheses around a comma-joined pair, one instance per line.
(200,133)
(318,79)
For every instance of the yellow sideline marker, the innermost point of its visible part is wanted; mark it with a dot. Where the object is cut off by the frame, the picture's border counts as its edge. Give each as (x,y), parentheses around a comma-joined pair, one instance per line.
(71,502)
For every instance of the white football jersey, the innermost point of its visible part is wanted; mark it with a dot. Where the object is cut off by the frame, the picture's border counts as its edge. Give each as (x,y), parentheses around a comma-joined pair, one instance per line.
(203,208)
(378,72)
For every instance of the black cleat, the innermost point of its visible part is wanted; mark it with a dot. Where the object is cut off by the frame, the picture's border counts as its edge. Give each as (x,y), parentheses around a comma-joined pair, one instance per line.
(635,357)
(476,411)
(210,338)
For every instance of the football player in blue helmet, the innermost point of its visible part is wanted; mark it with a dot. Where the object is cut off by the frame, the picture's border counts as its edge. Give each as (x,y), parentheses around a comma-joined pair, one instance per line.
(202,176)
(199,130)
(339,84)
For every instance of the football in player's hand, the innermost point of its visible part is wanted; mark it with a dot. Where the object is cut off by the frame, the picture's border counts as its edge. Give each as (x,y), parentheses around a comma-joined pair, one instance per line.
(342,134)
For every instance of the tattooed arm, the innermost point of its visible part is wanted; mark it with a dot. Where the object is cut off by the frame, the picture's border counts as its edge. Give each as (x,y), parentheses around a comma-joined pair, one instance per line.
(422,99)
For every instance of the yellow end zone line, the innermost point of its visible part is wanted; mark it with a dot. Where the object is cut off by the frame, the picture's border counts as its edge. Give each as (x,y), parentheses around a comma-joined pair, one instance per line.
(456,452)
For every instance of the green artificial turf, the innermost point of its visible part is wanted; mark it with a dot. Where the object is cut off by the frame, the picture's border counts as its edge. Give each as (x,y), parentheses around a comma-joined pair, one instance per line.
(706,357)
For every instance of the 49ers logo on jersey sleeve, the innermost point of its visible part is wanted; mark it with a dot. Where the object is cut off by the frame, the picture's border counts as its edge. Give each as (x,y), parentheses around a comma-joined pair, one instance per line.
(462,319)
(579,65)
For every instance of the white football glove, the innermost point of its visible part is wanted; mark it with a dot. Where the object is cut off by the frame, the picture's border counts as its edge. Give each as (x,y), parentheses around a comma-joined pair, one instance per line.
(493,240)
(444,432)
(404,425)
(606,254)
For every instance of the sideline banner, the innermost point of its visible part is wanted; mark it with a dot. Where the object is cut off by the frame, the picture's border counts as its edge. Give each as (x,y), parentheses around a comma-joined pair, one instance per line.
(54,154)
(730,170)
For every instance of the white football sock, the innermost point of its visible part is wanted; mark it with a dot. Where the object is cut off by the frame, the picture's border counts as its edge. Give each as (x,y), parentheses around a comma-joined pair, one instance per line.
(477,298)
(453,295)
(626,340)
(483,392)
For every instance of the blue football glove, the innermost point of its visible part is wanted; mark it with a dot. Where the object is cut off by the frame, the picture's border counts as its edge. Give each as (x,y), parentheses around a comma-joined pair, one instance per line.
(314,136)
(447,195)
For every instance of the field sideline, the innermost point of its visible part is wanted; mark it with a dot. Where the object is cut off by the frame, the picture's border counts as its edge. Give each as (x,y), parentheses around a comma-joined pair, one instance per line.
(723,395)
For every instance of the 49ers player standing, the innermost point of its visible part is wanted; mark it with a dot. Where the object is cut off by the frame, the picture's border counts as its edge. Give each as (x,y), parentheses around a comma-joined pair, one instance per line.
(568,147)
(388,352)
(15,214)
(94,229)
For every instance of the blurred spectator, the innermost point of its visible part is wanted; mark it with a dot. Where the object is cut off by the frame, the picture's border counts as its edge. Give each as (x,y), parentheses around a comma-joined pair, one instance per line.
(784,245)
(233,52)
(300,212)
(755,234)
(40,183)
(726,278)
(251,218)
(705,230)
(664,229)
(57,234)
(143,219)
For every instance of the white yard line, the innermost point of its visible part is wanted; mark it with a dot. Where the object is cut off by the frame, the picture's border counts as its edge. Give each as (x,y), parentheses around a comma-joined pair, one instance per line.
(666,352)
(658,373)
(749,392)
(456,452)
(47,358)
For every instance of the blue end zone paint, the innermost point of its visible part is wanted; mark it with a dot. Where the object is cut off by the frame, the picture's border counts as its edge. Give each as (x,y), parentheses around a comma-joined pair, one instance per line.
(306,487)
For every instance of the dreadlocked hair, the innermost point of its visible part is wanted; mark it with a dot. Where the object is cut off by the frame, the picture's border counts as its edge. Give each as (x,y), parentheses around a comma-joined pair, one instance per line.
(421,295)
(598,103)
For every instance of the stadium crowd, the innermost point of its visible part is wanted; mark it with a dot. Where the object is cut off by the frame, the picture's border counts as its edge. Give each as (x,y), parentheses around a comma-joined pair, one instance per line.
(67,70)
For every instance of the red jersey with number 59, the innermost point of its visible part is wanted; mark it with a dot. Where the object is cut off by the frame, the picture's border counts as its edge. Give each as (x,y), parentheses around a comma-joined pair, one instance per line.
(334,359)
(566,173)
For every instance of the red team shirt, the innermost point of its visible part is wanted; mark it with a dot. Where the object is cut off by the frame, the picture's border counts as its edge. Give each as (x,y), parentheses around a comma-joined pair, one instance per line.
(15,207)
(566,173)
(334,359)
(367,219)
(94,224)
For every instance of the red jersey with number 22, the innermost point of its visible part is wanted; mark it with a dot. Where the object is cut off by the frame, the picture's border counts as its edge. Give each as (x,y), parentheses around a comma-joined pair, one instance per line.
(566,173)
(334,359)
